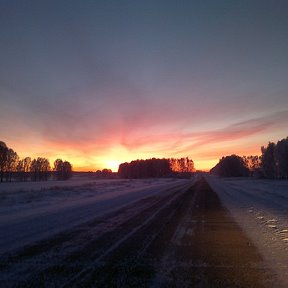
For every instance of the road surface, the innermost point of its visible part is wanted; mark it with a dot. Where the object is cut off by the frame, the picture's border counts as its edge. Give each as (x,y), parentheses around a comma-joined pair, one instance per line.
(183,238)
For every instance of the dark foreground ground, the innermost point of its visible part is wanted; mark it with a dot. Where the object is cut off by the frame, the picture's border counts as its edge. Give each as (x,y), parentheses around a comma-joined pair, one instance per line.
(183,239)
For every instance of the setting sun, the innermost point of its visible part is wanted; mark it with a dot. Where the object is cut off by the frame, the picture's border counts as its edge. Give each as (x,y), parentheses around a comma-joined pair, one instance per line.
(113,165)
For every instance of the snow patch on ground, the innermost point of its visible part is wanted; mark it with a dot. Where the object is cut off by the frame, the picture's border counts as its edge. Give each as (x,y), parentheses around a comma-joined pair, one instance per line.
(261,209)
(33,211)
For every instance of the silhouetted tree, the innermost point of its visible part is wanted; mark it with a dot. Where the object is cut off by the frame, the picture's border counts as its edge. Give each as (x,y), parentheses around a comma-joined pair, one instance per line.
(123,170)
(8,162)
(281,158)
(182,165)
(23,169)
(153,168)
(67,168)
(20,170)
(3,159)
(11,164)
(26,167)
(230,166)
(105,173)
(40,169)
(149,168)
(58,169)
(275,159)
(268,160)
(253,163)
(62,170)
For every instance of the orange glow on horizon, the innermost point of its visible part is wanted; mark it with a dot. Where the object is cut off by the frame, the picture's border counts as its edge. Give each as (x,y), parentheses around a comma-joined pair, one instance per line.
(110,153)
(205,165)
(112,158)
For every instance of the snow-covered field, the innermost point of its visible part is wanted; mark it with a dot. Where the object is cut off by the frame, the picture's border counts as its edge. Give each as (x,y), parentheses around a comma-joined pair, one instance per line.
(32,211)
(261,209)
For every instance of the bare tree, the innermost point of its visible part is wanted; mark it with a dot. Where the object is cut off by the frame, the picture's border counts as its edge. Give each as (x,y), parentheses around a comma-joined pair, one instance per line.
(40,169)
(23,169)
(11,164)
(253,163)
(8,162)
(3,159)
(62,170)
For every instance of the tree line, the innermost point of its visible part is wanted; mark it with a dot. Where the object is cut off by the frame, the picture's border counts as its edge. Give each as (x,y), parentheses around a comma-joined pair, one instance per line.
(155,168)
(104,174)
(272,164)
(274,160)
(38,169)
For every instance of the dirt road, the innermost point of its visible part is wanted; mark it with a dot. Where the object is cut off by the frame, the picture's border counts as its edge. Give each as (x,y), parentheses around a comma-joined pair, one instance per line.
(183,239)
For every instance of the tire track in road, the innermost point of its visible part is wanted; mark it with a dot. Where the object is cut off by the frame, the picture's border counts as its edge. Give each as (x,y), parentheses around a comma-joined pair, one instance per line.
(57,259)
(208,249)
(129,246)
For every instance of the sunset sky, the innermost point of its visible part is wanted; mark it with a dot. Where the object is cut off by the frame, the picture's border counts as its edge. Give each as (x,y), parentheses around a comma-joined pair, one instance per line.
(103,82)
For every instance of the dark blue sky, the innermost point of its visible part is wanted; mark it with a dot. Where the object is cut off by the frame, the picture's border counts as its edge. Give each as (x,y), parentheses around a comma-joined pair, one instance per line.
(131,79)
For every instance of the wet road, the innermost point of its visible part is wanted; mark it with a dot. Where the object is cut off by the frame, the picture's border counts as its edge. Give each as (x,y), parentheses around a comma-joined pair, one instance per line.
(183,238)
